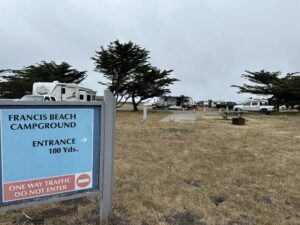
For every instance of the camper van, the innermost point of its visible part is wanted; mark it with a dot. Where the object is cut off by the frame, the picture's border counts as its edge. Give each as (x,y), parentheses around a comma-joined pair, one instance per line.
(55,91)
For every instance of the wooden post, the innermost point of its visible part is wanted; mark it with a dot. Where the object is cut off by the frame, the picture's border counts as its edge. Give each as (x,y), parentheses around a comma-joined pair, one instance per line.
(145,113)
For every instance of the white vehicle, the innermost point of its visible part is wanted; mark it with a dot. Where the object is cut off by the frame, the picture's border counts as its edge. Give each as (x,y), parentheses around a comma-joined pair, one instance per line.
(55,91)
(38,98)
(174,102)
(255,106)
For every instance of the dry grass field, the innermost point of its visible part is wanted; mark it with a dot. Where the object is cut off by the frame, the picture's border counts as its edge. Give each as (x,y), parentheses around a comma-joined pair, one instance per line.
(203,173)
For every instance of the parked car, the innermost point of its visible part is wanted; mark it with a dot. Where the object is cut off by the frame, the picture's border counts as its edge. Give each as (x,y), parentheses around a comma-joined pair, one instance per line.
(224,105)
(282,107)
(37,98)
(297,107)
(255,106)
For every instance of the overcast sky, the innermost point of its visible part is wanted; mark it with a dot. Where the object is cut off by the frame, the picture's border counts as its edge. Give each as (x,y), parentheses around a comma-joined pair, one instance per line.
(208,43)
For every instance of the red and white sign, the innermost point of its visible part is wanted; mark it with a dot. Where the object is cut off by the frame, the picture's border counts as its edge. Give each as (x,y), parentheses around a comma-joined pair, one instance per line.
(83,181)
(47,186)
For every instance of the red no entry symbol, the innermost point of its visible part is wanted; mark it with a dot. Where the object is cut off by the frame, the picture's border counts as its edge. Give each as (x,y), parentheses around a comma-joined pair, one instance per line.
(83,180)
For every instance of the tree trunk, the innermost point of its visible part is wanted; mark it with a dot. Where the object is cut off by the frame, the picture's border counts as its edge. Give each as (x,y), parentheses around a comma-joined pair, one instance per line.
(135,105)
(277,107)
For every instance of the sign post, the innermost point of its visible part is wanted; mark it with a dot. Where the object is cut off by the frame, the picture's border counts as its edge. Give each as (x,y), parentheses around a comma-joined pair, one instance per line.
(55,151)
(108,169)
(145,113)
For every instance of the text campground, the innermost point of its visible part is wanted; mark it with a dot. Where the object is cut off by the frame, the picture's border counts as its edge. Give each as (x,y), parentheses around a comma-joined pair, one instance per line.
(35,121)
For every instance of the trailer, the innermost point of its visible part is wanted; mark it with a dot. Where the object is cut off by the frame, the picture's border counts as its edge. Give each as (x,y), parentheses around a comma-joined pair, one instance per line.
(55,91)
(174,102)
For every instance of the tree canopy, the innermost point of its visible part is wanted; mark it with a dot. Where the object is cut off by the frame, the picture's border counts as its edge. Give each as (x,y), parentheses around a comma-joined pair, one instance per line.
(129,73)
(17,83)
(148,82)
(281,90)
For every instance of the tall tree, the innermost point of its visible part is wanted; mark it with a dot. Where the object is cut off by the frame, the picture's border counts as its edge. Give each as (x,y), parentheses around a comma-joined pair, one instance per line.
(290,90)
(280,90)
(16,83)
(148,82)
(118,62)
(130,75)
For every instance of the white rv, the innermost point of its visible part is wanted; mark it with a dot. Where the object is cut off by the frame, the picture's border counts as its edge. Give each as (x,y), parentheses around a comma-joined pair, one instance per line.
(55,91)
(174,102)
